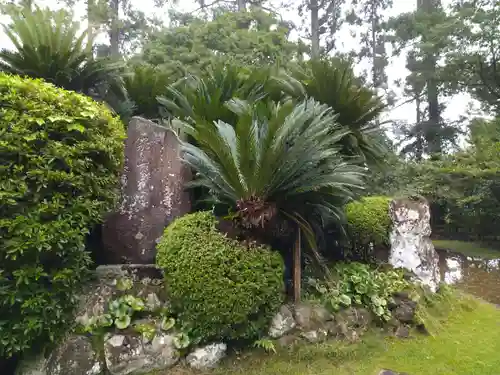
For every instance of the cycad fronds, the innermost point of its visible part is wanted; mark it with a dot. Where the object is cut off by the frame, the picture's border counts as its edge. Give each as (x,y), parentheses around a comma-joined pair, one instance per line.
(196,99)
(275,159)
(49,45)
(332,82)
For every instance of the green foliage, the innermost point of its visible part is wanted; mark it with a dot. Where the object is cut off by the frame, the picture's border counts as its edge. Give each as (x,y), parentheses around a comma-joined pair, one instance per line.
(49,45)
(333,82)
(148,331)
(220,290)
(359,284)
(191,45)
(464,188)
(144,85)
(266,344)
(60,159)
(120,312)
(203,99)
(274,161)
(368,222)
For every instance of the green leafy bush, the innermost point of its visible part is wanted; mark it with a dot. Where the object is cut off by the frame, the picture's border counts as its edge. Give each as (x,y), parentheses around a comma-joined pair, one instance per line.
(368,224)
(60,158)
(220,289)
(361,285)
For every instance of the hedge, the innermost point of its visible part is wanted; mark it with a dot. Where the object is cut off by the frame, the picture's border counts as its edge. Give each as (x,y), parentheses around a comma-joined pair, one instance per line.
(368,223)
(219,288)
(60,158)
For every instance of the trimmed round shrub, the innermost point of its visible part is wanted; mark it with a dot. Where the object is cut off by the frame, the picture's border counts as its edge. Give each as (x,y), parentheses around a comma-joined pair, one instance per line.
(219,288)
(60,158)
(368,221)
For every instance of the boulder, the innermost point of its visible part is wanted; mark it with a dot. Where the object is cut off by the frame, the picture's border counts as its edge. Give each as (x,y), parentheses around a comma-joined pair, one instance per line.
(311,317)
(74,356)
(207,357)
(282,323)
(390,372)
(405,312)
(152,194)
(131,355)
(354,317)
(315,336)
(411,246)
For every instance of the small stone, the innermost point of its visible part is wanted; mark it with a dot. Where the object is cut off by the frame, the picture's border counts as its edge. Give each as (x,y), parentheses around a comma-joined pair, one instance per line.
(315,336)
(355,317)
(282,323)
(288,341)
(405,313)
(403,332)
(116,340)
(390,372)
(207,357)
(311,317)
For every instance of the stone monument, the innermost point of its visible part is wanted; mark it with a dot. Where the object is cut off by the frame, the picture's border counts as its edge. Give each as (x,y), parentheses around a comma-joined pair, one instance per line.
(152,194)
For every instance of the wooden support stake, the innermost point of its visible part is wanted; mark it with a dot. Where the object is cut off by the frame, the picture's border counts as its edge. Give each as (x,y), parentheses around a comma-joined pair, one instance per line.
(297,268)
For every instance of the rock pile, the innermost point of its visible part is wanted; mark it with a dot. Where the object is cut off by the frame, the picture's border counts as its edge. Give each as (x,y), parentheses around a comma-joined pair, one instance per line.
(314,323)
(125,351)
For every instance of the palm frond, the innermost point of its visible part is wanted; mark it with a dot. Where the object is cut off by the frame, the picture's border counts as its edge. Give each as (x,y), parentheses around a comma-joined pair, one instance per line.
(280,157)
(332,82)
(49,45)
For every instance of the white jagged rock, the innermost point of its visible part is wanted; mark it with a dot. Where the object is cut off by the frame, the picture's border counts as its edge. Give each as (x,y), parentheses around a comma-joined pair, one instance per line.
(282,323)
(207,357)
(411,246)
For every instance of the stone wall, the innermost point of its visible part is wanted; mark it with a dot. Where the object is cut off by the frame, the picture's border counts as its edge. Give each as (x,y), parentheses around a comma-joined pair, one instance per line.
(312,323)
(151,341)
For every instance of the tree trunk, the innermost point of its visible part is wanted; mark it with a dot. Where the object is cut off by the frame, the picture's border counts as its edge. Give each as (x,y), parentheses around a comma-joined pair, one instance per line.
(432,133)
(297,268)
(375,78)
(242,5)
(90,25)
(419,151)
(114,32)
(313,6)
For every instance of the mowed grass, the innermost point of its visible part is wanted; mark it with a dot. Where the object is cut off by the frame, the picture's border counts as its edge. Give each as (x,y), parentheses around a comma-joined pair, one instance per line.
(466,342)
(468,248)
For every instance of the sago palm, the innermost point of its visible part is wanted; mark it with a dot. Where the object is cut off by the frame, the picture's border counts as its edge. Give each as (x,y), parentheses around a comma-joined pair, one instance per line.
(144,84)
(49,45)
(203,98)
(275,162)
(333,82)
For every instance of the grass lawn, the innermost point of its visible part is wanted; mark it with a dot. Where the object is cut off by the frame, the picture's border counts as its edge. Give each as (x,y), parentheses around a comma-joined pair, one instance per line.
(467,342)
(467,248)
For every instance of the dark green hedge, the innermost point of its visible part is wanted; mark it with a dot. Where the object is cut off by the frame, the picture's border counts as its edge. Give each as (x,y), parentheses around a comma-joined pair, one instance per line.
(60,158)
(220,289)
(368,224)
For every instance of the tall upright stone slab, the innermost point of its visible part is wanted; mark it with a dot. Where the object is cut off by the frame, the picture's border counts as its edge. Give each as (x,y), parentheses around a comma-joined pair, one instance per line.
(152,194)
(411,246)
